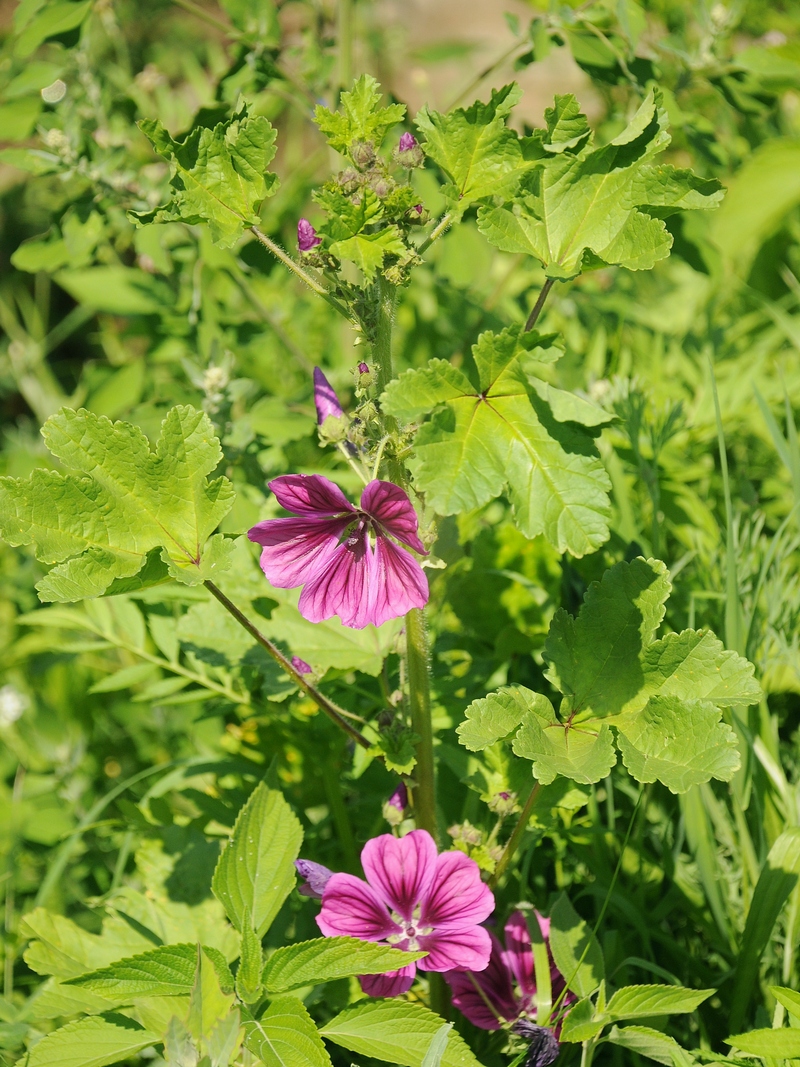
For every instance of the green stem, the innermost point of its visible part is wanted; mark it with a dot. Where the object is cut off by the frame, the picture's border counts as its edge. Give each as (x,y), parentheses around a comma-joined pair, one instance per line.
(382,344)
(587,1052)
(301,273)
(516,835)
(537,307)
(420,701)
(435,233)
(333,711)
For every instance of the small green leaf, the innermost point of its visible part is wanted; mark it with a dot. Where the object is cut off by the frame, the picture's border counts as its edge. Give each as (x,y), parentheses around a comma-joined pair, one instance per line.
(642,1001)
(285,1036)
(219,175)
(781,1043)
(580,1023)
(790,999)
(95,1041)
(575,949)
(255,872)
(369,250)
(361,118)
(583,752)
(498,715)
(395,1031)
(208,1005)
(166,971)
(650,1043)
(327,958)
(248,977)
(56,19)
(678,743)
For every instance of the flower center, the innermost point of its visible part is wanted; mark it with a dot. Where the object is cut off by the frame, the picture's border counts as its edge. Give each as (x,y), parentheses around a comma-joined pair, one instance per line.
(411,931)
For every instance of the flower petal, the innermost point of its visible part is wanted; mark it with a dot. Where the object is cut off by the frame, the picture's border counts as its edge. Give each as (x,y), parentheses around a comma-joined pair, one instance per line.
(389,505)
(391,984)
(296,550)
(519,953)
(458,897)
(344,586)
(400,582)
(351,908)
(400,869)
(456,948)
(310,494)
(325,399)
(484,995)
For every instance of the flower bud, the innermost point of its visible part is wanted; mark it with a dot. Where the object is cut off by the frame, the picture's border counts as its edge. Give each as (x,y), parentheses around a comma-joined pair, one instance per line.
(409,152)
(348,180)
(325,399)
(307,237)
(394,808)
(316,878)
(362,153)
(301,666)
(503,804)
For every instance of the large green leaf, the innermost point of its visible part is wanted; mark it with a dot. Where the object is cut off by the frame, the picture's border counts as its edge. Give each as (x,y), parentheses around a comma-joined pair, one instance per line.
(62,948)
(642,1001)
(219,175)
(361,118)
(678,742)
(285,1036)
(597,206)
(575,949)
(395,1031)
(583,751)
(497,715)
(99,525)
(650,1043)
(255,872)
(500,436)
(168,970)
(327,958)
(594,658)
(91,1042)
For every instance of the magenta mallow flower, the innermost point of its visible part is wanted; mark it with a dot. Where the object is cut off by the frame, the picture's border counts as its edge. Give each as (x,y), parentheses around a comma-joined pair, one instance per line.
(407,142)
(315,877)
(307,237)
(325,399)
(347,559)
(505,991)
(415,900)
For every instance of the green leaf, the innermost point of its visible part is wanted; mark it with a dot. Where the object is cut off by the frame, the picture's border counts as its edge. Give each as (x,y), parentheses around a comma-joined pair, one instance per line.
(248,976)
(580,1023)
(255,872)
(782,1043)
(642,1001)
(33,160)
(91,1042)
(594,658)
(100,524)
(498,715)
(219,175)
(117,290)
(369,250)
(499,436)
(575,949)
(777,880)
(395,1031)
(327,958)
(650,1043)
(165,972)
(208,1005)
(583,752)
(790,999)
(361,118)
(64,949)
(285,1036)
(55,19)
(679,743)
(436,1049)
(474,147)
(590,206)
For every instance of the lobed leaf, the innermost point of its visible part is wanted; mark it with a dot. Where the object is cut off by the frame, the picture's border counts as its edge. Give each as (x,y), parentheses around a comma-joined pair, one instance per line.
(583,752)
(497,715)
(361,118)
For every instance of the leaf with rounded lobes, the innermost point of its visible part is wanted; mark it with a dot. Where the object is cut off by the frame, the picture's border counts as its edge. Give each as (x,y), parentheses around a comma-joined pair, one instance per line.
(285,1036)
(499,436)
(680,743)
(575,949)
(650,1043)
(643,1001)
(368,250)
(168,970)
(397,1032)
(478,152)
(100,524)
(95,1041)
(778,1043)
(594,658)
(583,752)
(327,958)
(361,119)
(218,176)
(497,715)
(255,872)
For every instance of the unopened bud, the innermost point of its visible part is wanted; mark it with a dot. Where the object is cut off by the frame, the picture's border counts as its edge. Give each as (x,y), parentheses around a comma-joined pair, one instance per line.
(409,153)
(316,878)
(301,666)
(307,237)
(325,399)
(362,153)
(503,804)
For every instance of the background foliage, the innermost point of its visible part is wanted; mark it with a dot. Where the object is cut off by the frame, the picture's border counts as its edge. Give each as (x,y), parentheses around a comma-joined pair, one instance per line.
(132,729)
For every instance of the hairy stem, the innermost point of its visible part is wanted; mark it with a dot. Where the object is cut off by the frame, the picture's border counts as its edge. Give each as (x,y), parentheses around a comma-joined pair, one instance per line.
(419,690)
(333,711)
(301,273)
(516,836)
(537,307)
(435,233)
(382,345)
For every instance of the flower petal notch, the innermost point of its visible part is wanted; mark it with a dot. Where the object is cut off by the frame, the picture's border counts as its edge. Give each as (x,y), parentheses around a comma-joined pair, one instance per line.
(350,561)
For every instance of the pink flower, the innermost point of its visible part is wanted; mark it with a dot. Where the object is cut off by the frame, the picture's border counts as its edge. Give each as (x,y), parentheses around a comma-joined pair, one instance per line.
(407,142)
(506,989)
(346,558)
(325,399)
(415,900)
(307,237)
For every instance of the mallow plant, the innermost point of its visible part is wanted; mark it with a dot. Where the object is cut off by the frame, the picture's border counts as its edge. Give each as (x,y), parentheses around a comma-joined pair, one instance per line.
(421,938)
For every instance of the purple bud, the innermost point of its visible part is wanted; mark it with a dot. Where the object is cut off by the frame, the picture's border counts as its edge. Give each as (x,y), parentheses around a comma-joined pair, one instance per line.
(418,208)
(307,236)
(399,798)
(325,399)
(316,878)
(543,1047)
(407,142)
(301,666)
(363,368)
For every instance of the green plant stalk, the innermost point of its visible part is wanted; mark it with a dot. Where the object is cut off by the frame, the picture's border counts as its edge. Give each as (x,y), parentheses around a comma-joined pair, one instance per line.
(516,835)
(382,342)
(301,273)
(420,701)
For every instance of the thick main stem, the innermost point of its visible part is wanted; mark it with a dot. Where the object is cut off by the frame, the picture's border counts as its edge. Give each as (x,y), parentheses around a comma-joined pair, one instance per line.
(419,691)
